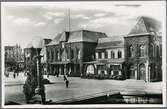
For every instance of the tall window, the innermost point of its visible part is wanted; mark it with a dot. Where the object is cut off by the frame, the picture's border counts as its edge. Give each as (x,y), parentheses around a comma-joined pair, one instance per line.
(131,51)
(72,54)
(142,51)
(157,51)
(52,53)
(106,54)
(151,50)
(100,55)
(119,54)
(112,54)
(56,55)
(68,54)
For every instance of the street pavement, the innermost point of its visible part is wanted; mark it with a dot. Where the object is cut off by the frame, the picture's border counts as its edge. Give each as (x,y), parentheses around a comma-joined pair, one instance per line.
(78,88)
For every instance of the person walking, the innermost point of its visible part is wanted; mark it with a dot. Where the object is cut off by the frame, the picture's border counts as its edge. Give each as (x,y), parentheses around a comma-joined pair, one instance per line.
(67,83)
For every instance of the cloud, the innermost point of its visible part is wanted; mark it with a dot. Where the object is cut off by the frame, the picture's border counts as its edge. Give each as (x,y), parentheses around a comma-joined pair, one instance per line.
(58,20)
(40,24)
(80,16)
(10,17)
(22,21)
(56,14)
(52,15)
(100,14)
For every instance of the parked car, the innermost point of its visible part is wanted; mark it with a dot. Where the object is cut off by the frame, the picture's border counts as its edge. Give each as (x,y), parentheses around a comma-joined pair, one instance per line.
(46,81)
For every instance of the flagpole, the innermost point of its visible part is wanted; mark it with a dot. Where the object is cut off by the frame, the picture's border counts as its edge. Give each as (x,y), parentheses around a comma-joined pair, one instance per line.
(69,19)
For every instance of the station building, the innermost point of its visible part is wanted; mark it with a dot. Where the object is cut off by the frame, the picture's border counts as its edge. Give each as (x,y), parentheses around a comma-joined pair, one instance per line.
(91,54)
(84,53)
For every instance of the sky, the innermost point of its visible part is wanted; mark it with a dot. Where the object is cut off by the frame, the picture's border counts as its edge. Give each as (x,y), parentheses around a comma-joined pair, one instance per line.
(25,22)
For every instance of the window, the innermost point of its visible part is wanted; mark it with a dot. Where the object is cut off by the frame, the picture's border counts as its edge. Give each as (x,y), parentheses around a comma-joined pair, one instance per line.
(112,54)
(157,51)
(52,57)
(58,55)
(106,54)
(142,51)
(100,55)
(119,54)
(151,50)
(72,54)
(68,55)
(131,51)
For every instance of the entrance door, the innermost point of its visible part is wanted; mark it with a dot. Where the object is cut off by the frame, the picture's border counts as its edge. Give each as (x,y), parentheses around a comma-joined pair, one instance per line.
(133,72)
(142,72)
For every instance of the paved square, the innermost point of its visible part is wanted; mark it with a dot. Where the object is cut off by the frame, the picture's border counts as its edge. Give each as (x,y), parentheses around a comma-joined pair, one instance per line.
(78,88)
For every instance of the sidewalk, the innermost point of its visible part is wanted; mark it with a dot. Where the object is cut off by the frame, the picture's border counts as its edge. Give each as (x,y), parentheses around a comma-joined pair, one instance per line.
(18,80)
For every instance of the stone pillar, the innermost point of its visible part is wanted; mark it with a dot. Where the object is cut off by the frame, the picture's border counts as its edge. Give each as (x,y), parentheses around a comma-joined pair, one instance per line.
(81,69)
(147,71)
(97,56)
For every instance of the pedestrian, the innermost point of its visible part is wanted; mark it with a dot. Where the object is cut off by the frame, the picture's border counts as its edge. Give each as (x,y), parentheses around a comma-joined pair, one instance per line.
(67,83)
(65,77)
(14,75)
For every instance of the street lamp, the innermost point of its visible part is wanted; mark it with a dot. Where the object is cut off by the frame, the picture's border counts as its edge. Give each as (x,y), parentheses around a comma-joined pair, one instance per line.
(40,90)
(39,75)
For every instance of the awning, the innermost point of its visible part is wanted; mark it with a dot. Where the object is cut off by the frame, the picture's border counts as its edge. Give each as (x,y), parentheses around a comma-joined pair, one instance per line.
(90,62)
(61,62)
(106,61)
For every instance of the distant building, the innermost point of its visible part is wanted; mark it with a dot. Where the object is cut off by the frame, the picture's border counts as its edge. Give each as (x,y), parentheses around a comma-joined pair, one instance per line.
(13,56)
(143,51)
(31,50)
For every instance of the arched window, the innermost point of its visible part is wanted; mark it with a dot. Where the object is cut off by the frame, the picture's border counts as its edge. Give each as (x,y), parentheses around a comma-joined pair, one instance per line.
(106,54)
(131,51)
(157,51)
(112,54)
(142,51)
(119,54)
(152,50)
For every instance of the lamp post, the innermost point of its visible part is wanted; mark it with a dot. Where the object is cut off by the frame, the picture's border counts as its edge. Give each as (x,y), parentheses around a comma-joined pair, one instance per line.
(40,90)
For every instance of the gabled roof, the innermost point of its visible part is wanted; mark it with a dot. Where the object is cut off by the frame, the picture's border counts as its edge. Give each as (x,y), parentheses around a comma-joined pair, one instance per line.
(56,40)
(145,25)
(77,36)
(85,36)
(110,42)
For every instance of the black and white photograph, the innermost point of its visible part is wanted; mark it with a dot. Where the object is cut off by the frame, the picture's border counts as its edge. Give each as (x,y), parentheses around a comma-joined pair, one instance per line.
(69,54)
